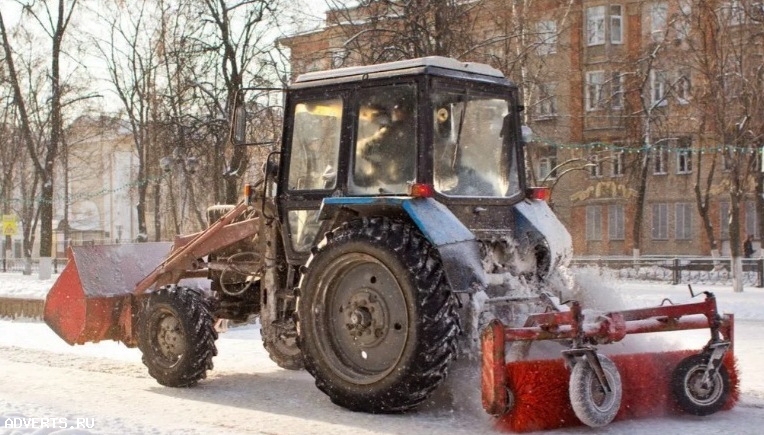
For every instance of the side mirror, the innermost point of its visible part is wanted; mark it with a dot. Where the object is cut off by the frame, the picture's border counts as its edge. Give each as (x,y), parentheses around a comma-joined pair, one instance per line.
(240,125)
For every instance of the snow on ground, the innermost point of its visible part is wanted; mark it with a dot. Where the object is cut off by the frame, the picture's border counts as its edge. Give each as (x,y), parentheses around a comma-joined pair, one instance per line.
(104,389)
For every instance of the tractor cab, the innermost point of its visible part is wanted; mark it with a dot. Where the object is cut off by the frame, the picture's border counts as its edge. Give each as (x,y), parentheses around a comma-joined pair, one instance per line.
(431,127)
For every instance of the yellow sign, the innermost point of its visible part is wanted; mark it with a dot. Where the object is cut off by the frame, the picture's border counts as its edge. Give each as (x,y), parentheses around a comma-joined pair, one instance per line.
(9,225)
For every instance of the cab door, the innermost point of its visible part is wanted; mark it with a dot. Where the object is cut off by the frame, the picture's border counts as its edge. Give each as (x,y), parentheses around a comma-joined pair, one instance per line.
(310,173)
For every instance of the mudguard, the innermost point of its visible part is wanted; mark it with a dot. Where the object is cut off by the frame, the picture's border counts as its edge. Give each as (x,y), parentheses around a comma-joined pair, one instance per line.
(535,221)
(459,250)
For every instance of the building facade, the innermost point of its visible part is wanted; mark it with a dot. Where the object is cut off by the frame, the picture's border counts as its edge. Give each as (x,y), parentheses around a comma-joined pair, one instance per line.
(646,114)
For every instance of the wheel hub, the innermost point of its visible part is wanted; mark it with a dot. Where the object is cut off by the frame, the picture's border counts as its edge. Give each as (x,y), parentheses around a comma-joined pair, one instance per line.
(366,320)
(701,386)
(170,338)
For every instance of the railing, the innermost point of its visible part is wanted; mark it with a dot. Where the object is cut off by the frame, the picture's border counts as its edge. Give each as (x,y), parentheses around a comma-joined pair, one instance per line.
(30,265)
(678,270)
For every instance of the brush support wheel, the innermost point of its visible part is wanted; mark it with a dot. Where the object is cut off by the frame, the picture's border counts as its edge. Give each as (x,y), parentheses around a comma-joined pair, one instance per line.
(593,405)
(697,393)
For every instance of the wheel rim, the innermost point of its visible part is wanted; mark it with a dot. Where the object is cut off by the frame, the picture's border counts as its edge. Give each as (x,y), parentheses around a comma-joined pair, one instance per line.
(702,390)
(361,318)
(600,399)
(168,338)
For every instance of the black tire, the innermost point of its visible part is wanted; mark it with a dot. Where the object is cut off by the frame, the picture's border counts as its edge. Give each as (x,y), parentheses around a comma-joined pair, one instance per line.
(694,395)
(281,345)
(592,404)
(377,321)
(177,336)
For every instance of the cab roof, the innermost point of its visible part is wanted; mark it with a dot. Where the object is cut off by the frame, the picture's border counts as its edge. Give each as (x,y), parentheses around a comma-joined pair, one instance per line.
(433,64)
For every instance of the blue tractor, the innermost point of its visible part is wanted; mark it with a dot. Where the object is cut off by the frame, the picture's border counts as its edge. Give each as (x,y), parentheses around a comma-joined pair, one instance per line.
(391,224)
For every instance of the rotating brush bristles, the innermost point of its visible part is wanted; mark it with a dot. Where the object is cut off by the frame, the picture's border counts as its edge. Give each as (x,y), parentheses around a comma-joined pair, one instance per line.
(540,390)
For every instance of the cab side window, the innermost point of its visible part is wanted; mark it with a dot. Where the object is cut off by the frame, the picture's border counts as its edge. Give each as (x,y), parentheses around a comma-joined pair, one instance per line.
(315,145)
(385,153)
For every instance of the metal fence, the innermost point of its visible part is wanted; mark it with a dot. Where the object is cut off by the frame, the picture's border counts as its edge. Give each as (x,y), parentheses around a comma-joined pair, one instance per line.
(677,270)
(29,265)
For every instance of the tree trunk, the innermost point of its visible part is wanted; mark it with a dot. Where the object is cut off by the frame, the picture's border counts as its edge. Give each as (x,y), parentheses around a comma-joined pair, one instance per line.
(640,204)
(737,268)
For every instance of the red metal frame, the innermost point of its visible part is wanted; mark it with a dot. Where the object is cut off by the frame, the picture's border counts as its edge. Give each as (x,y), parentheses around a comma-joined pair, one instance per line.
(606,328)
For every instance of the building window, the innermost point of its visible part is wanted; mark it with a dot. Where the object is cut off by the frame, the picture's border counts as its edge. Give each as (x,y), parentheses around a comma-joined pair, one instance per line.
(683,24)
(683,86)
(684,155)
(615,222)
(547,37)
(546,106)
(593,222)
(595,166)
(684,220)
(594,84)
(616,90)
(660,221)
(617,163)
(547,169)
(338,57)
(658,20)
(751,219)
(596,31)
(734,11)
(616,24)
(595,25)
(657,87)
(660,160)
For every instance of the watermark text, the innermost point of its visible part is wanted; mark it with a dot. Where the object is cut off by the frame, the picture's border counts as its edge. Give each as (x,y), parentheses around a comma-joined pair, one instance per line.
(49,423)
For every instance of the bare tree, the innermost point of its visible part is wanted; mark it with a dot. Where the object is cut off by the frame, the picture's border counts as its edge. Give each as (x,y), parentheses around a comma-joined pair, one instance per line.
(728,59)
(374,31)
(236,35)
(130,57)
(54,23)
(10,153)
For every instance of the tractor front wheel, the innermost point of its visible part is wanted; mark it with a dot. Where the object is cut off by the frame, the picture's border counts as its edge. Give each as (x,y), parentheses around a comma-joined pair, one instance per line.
(280,340)
(377,321)
(696,392)
(177,336)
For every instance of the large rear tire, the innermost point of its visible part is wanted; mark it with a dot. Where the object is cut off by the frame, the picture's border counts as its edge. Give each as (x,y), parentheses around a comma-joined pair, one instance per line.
(696,395)
(377,321)
(177,336)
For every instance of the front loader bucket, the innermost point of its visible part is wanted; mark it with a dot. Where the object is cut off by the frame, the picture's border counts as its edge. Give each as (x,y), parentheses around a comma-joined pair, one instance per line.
(87,299)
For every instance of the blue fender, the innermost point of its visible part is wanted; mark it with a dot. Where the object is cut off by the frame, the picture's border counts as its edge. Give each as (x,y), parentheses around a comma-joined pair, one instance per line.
(458,248)
(536,223)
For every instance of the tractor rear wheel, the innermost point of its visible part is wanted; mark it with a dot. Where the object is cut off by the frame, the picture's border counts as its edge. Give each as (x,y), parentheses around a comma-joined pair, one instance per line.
(377,321)
(696,393)
(177,336)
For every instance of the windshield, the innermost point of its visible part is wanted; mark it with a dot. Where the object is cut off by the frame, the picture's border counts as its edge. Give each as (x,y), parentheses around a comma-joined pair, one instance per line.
(471,155)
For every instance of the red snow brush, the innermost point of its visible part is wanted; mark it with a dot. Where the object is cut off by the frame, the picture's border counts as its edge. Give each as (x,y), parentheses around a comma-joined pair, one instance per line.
(587,387)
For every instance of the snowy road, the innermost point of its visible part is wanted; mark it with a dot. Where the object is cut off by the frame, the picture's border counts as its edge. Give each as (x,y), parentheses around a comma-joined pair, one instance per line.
(105,388)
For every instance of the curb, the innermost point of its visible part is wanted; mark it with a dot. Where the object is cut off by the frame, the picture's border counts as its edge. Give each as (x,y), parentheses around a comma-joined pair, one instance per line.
(16,308)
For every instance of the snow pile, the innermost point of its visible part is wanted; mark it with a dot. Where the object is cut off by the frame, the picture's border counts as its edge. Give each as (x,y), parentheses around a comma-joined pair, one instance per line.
(17,285)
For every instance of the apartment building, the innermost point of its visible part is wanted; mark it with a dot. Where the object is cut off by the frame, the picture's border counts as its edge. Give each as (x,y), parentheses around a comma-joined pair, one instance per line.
(643,111)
